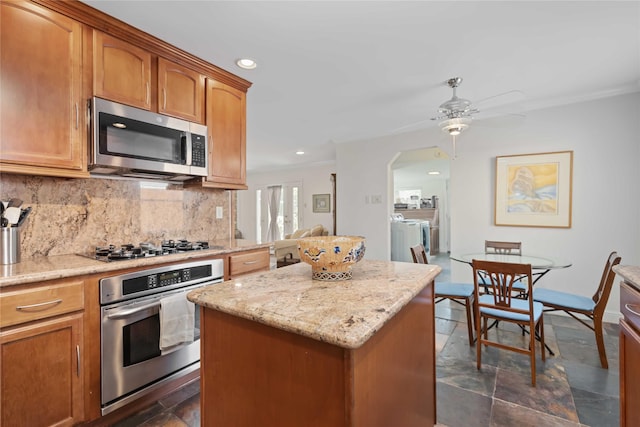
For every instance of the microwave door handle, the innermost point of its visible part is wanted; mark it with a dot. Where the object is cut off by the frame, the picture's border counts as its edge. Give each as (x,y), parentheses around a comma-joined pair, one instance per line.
(127,313)
(186,148)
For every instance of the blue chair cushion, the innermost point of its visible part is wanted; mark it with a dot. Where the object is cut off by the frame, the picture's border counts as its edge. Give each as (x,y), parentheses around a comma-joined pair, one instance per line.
(461,290)
(562,299)
(521,304)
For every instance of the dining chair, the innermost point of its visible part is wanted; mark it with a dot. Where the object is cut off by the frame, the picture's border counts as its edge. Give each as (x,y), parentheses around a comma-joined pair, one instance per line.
(501,305)
(460,293)
(505,248)
(592,308)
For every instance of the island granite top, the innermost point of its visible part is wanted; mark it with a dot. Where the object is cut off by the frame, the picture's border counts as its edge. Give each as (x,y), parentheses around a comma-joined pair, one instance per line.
(630,273)
(344,313)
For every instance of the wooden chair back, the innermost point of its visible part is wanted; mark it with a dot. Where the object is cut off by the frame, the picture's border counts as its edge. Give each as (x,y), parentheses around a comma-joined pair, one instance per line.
(508,248)
(606,283)
(419,254)
(501,277)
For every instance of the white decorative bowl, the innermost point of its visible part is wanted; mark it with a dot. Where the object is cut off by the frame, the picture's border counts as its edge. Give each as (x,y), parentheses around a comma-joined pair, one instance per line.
(331,257)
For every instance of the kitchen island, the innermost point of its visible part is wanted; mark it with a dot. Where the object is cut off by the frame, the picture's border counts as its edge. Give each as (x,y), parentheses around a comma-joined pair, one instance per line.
(281,349)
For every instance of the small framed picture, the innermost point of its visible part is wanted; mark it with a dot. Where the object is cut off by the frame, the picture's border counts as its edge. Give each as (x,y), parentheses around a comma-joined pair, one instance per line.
(322,203)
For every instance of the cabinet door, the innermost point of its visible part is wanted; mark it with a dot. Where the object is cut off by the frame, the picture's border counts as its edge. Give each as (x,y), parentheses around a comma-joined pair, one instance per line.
(121,71)
(180,91)
(41,109)
(629,375)
(40,377)
(226,120)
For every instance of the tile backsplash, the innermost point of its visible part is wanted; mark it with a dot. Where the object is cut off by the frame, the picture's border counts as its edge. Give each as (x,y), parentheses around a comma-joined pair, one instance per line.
(75,215)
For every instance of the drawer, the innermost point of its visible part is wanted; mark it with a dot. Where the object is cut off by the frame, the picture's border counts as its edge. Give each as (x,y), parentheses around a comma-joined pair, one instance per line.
(630,305)
(250,262)
(40,302)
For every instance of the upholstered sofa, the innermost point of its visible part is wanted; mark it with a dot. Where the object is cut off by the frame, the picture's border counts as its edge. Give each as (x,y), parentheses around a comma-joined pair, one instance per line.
(289,245)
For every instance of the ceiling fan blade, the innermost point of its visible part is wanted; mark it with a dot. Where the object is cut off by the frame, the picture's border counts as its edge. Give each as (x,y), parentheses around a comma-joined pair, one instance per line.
(412,125)
(504,98)
(501,120)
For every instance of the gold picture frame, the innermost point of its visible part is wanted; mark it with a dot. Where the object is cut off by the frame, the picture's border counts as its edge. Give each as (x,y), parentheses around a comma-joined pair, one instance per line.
(534,190)
(321,203)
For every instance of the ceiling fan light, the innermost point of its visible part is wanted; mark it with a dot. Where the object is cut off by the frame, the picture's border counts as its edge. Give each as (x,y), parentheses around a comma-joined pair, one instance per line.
(454,127)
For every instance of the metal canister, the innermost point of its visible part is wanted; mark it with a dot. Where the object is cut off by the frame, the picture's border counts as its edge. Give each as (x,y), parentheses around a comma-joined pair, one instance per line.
(9,245)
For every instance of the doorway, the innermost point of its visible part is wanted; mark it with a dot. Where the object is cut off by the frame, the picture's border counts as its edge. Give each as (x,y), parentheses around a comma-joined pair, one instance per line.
(420,181)
(278,210)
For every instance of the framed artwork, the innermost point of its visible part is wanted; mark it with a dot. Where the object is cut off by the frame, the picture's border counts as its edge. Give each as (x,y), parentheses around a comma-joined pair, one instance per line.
(534,190)
(322,203)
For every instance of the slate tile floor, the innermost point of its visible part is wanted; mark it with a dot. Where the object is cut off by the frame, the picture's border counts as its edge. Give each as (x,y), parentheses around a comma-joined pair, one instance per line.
(572,389)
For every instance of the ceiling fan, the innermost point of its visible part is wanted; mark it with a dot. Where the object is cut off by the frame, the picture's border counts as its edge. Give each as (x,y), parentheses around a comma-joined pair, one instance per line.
(456,114)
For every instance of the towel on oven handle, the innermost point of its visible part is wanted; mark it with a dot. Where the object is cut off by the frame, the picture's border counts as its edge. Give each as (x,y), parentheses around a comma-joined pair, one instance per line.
(177,319)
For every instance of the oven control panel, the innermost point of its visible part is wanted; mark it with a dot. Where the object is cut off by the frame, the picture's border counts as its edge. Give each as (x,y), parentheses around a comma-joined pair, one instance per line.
(150,281)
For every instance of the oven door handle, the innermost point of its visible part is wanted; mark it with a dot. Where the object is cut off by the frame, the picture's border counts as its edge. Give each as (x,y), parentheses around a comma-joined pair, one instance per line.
(132,311)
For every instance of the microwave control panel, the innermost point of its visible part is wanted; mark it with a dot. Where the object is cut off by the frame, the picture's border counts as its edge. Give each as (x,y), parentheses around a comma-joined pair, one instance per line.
(198,151)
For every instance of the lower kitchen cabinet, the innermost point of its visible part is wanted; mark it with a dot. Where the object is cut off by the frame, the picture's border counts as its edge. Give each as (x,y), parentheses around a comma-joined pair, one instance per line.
(41,351)
(248,262)
(629,375)
(40,375)
(629,354)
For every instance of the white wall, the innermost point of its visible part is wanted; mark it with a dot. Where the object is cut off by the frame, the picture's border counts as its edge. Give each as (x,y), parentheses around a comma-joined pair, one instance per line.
(314,179)
(604,136)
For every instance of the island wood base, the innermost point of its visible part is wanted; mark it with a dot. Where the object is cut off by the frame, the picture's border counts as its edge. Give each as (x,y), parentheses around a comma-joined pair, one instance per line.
(256,375)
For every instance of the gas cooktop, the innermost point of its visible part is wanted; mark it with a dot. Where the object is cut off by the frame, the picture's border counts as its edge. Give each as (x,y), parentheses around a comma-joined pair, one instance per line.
(144,250)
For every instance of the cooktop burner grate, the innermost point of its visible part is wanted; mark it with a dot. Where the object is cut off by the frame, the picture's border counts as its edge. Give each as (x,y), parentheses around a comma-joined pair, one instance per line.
(143,250)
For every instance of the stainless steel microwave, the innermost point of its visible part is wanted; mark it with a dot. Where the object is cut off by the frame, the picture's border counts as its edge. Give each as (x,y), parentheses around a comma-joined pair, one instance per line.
(135,143)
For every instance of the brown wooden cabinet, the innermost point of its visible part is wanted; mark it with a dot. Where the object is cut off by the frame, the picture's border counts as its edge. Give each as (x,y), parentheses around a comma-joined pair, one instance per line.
(42,119)
(629,355)
(126,73)
(226,120)
(41,346)
(180,91)
(121,71)
(248,262)
(55,55)
(293,380)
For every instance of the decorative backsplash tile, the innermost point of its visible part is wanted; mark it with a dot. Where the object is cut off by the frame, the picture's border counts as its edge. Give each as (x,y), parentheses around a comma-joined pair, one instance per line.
(75,215)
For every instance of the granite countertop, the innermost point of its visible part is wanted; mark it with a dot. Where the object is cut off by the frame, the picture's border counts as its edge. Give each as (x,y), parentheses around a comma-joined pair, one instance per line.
(629,273)
(345,313)
(63,266)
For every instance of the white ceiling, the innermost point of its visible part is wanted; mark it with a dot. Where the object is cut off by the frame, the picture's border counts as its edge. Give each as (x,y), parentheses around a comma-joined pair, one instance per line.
(335,71)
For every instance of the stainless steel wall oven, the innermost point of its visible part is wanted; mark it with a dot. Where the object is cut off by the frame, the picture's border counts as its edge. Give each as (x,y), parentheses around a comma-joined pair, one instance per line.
(132,363)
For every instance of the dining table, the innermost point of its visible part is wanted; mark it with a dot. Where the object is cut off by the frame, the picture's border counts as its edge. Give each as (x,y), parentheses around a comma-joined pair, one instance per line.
(539,265)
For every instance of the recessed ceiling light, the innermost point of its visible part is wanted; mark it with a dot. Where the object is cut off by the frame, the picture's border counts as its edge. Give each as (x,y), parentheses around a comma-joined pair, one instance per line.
(433,173)
(246,63)
(299,152)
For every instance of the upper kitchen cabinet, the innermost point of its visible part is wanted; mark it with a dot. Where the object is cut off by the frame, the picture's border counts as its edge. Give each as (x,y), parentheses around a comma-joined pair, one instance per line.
(121,71)
(226,121)
(180,91)
(127,74)
(42,120)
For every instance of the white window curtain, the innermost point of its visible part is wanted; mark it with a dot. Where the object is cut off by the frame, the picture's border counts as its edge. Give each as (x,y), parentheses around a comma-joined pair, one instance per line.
(274,193)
